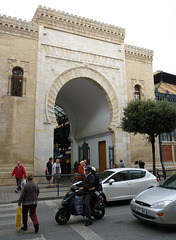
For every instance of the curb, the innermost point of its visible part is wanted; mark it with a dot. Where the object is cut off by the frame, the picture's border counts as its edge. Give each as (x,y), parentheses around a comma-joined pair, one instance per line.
(39,199)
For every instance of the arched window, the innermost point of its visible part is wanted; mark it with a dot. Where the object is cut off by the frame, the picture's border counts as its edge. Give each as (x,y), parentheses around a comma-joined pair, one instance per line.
(17,82)
(137,92)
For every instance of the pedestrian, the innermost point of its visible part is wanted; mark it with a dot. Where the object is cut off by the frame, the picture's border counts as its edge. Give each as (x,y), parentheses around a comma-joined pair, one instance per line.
(88,182)
(48,171)
(136,164)
(76,165)
(68,165)
(114,165)
(81,171)
(19,172)
(63,165)
(56,171)
(97,184)
(29,200)
(121,164)
(141,163)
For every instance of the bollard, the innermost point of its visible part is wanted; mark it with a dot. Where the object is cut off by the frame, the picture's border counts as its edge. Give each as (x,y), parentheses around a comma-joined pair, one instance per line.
(58,185)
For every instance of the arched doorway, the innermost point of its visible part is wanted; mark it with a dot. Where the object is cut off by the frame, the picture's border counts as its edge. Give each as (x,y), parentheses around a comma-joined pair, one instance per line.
(90,104)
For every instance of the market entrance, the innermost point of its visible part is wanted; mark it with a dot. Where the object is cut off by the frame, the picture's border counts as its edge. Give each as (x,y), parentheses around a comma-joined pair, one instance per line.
(62,144)
(83,114)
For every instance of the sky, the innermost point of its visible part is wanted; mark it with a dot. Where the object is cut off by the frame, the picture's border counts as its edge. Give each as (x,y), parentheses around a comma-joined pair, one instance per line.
(149,24)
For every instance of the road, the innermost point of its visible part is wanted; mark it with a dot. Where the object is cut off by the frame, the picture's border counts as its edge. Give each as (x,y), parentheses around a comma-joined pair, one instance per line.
(118,223)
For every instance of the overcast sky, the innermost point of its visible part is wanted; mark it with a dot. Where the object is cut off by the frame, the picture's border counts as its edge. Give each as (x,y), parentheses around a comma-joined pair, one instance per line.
(149,24)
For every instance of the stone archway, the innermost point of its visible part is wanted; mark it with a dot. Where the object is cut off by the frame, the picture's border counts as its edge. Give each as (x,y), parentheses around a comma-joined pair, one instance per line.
(93,76)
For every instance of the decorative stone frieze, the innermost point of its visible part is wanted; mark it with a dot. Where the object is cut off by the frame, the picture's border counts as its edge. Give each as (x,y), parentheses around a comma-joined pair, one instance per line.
(138,54)
(18,27)
(78,25)
(11,63)
(80,56)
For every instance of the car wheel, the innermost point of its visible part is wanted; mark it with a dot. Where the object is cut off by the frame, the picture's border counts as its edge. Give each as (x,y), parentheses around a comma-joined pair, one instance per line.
(104,199)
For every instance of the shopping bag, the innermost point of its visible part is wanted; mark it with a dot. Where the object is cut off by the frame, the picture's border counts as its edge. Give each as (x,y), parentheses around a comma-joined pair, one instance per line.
(24,182)
(18,217)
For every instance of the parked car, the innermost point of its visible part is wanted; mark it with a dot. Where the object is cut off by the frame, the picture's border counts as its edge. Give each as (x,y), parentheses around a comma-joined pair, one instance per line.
(125,183)
(157,205)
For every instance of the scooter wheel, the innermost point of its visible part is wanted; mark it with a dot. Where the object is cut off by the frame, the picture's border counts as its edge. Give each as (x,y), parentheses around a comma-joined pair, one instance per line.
(62,216)
(99,213)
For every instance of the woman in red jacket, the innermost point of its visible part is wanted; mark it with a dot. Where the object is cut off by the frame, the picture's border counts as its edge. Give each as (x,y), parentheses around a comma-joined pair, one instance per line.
(19,171)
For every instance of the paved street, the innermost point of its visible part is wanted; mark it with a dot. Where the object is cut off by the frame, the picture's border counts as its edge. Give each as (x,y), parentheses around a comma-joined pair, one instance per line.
(118,223)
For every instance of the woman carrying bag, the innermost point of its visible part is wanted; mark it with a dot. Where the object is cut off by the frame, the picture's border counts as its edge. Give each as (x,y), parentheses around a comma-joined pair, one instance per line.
(29,200)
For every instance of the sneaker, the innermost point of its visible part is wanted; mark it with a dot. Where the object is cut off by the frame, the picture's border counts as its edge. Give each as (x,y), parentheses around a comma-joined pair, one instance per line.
(88,223)
(36,228)
(16,191)
(24,229)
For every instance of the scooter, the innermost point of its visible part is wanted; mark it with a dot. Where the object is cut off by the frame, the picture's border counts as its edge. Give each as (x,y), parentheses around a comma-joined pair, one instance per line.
(69,206)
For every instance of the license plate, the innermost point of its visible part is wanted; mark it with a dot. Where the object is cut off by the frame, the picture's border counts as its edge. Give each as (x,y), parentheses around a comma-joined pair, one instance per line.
(140,210)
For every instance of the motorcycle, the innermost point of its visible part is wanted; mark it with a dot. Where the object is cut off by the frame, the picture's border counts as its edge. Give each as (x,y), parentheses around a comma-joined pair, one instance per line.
(69,206)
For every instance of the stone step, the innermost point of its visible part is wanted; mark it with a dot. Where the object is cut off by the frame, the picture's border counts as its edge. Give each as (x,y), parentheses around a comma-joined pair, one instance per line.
(7,182)
(9,168)
(6,170)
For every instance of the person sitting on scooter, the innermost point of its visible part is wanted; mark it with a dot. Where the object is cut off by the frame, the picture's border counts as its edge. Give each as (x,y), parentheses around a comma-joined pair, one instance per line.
(87,183)
(98,186)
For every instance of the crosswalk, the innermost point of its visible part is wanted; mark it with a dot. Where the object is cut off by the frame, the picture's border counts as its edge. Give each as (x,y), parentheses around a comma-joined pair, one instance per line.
(7,224)
(9,232)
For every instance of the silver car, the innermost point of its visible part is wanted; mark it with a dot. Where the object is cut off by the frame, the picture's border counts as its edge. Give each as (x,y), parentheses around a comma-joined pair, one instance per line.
(158,204)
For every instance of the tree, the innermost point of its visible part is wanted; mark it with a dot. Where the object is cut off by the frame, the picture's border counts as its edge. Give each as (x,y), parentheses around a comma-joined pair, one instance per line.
(149,117)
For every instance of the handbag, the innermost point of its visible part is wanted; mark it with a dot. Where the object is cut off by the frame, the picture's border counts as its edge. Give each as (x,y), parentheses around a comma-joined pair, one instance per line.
(18,217)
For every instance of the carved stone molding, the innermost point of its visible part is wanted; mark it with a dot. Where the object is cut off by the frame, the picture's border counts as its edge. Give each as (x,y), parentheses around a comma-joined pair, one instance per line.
(80,56)
(137,82)
(18,27)
(25,66)
(96,78)
(11,63)
(78,25)
(138,54)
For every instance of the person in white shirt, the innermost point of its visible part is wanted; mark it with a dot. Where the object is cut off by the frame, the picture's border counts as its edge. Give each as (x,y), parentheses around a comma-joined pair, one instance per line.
(56,171)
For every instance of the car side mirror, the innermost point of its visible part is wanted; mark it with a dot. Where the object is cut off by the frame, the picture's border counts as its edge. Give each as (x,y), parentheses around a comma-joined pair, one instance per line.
(111,181)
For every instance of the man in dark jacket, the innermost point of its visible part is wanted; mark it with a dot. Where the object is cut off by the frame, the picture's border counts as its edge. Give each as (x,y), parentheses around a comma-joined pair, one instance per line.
(87,183)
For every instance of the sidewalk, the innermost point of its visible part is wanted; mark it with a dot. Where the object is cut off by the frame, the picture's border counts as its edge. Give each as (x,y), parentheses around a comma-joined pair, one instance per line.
(8,194)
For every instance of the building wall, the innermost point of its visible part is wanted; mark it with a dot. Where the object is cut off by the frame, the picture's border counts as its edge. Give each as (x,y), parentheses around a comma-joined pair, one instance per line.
(18,47)
(53,49)
(139,72)
(60,53)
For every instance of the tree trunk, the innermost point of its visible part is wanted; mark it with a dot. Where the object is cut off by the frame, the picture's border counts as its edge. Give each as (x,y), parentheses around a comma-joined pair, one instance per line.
(153,154)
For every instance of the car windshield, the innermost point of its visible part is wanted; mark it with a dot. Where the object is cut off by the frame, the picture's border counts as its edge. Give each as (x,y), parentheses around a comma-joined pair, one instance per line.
(170,182)
(105,174)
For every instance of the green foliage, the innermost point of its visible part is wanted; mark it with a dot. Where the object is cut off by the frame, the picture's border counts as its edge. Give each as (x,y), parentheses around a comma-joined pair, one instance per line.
(149,117)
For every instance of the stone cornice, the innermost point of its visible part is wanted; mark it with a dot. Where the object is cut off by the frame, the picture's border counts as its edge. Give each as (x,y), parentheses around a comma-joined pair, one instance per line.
(78,25)
(18,27)
(138,54)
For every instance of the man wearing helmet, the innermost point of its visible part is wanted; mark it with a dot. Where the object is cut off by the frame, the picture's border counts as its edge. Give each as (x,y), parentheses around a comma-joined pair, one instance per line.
(97,185)
(87,183)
